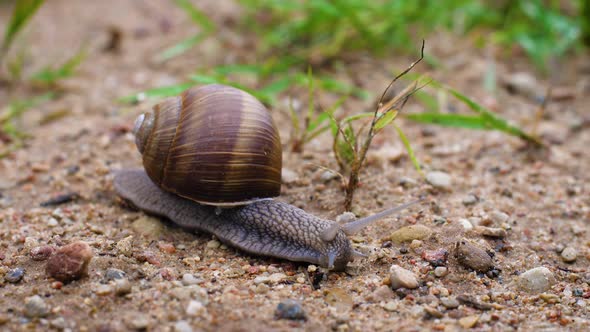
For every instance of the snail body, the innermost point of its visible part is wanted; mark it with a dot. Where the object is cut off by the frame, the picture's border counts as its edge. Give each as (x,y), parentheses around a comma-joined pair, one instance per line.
(181,175)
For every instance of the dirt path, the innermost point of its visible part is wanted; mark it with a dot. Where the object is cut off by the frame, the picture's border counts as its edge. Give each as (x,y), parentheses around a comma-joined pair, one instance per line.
(529,208)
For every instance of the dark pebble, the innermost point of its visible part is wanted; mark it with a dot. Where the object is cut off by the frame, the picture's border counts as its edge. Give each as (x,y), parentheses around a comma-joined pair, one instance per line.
(578,292)
(113,274)
(15,275)
(290,309)
(61,199)
(473,257)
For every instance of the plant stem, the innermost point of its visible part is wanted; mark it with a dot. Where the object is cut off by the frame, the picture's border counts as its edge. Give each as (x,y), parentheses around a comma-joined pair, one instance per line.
(359,158)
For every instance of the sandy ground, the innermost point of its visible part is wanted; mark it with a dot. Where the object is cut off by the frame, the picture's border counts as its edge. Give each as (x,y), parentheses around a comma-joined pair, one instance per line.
(529,208)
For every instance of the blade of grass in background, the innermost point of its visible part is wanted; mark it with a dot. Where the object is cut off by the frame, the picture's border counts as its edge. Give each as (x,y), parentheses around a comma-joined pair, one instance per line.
(408,147)
(51,76)
(23,11)
(484,120)
(200,19)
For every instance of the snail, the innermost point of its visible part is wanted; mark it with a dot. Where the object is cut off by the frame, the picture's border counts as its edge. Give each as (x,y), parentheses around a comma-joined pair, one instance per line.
(212,162)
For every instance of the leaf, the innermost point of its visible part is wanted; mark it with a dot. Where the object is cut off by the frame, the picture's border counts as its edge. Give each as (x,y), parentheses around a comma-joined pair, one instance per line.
(357,116)
(408,147)
(22,12)
(385,119)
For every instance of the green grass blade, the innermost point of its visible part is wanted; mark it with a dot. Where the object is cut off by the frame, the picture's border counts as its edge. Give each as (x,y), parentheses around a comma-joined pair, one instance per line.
(50,76)
(18,107)
(180,48)
(451,120)
(492,119)
(161,92)
(310,96)
(408,147)
(23,11)
(354,117)
(196,15)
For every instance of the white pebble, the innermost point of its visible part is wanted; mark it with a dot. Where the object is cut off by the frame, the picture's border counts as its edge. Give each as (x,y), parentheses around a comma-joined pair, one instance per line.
(195,308)
(439,179)
(536,280)
(569,255)
(402,278)
(467,225)
(441,271)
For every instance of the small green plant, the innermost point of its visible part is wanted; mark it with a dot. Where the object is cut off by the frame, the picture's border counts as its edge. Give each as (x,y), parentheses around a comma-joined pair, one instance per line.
(351,146)
(199,18)
(22,12)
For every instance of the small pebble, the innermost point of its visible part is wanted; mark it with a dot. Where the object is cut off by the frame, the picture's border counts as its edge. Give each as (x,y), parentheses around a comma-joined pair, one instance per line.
(328,175)
(290,309)
(494,232)
(103,290)
(499,217)
(391,306)
(195,308)
(288,176)
(472,256)
(569,255)
(449,302)
(441,271)
(439,179)
(182,326)
(470,200)
(468,322)
(275,278)
(189,279)
(536,280)
(122,287)
(148,226)
(139,322)
(113,274)
(41,253)
(402,278)
(213,244)
(261,289)
(409,233)
(338,298)
(15,275)
(125,246)
(382,293)
(436,257)
(70,262)
(467,225)
(36,307)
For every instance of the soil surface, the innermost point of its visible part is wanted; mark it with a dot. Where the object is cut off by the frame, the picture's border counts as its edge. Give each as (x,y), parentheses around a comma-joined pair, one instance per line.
(518,215)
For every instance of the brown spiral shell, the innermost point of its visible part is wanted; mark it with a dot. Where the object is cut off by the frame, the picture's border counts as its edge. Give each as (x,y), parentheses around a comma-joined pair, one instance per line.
(213,144)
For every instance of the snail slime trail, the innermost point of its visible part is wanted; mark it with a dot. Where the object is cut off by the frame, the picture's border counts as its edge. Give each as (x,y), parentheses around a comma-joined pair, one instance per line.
(217,146)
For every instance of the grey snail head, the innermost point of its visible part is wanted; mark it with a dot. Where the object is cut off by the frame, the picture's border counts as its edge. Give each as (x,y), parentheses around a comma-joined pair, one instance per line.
(218,146)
